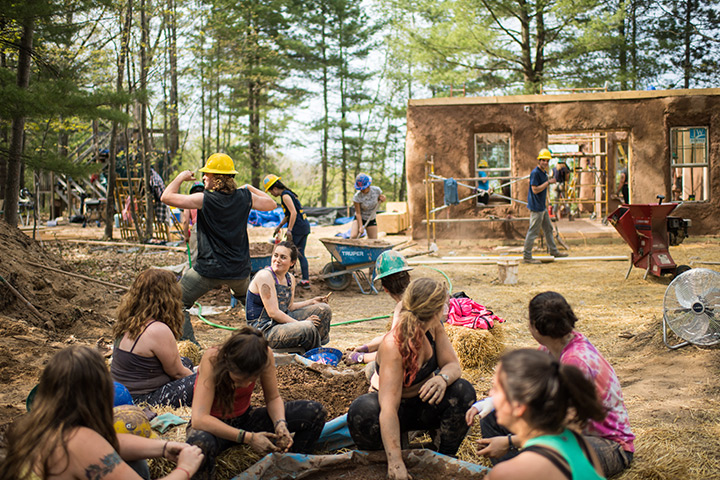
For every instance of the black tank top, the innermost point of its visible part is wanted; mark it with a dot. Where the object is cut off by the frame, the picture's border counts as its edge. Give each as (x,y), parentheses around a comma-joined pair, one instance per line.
(139,374)
(427,369)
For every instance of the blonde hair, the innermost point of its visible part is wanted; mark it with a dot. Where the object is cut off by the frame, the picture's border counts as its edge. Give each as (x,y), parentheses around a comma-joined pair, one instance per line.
(155,294)
(75,390)
(423,299)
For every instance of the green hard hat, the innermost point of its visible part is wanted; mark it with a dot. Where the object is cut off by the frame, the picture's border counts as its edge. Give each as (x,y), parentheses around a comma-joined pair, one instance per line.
(390,262)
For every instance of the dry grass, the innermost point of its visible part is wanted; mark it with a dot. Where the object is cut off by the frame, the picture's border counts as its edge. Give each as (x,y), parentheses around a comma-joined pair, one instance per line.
(688,448)
(229,463)
(671,396)
(188,349)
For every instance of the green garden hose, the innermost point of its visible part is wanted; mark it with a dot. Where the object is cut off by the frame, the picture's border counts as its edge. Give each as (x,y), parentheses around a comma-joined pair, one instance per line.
(348,322)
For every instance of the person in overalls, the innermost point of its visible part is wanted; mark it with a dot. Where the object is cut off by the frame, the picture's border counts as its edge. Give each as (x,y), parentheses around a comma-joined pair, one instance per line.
(271,307)
(298,227)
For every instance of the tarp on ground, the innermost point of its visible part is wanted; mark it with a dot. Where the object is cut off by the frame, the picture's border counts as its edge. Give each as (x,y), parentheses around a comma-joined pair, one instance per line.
(315,215)
(287,466)
(266,219)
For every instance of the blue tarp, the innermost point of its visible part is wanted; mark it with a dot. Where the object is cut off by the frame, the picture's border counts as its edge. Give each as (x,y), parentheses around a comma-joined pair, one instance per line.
(335,435)
(266,219)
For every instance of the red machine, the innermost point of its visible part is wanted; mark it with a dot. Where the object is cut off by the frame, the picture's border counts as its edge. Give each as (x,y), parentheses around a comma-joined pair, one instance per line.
(650,231)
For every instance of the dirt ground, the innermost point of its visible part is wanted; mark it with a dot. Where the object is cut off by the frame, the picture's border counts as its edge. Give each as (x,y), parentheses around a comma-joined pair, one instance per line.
(672,395)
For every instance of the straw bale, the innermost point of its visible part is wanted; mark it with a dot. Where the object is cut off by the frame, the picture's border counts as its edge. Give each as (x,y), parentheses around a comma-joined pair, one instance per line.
(188,349)
(477,348)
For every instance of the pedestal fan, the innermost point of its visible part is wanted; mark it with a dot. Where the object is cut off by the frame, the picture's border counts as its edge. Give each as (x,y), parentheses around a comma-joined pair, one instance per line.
(691,308)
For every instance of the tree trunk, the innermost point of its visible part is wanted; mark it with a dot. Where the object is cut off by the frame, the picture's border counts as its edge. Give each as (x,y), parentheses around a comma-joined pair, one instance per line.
(12,187)
(633,43)
(326,116)
(173,111)
(112,160)
(144,142)
(622,54)
(688,34)
(254,132)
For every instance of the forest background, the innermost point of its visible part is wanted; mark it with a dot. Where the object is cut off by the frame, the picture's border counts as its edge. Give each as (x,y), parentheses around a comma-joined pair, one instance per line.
(315,91)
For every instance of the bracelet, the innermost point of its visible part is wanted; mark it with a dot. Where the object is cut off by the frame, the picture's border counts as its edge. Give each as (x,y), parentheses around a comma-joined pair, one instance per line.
(164,447)
(280,421)
(183,470)
(511,447)
(240,436)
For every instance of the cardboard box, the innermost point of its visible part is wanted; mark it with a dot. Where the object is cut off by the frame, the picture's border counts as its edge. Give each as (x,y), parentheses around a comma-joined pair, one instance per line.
(396,218)
(396,207)
(392,222)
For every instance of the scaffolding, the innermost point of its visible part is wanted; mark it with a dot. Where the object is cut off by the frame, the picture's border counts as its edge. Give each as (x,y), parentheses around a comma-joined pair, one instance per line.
(125,195)
(431,178)
(588,185)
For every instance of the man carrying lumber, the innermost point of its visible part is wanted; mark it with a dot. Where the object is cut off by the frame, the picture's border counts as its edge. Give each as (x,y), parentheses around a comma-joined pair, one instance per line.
(537,203)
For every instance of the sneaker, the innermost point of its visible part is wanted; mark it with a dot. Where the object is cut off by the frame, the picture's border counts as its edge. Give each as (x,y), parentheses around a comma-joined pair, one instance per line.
(305,284)
(534,261)
(560,254)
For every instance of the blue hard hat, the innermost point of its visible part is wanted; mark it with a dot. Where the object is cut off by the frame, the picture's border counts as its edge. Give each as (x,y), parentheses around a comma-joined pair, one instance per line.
(362,181)
(122,395)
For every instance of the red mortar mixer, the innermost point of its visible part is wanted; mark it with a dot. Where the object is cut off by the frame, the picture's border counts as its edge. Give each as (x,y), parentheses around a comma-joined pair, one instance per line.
(649,231)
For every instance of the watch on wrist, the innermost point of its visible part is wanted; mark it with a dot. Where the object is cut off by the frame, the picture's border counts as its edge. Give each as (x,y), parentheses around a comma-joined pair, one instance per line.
(444,377)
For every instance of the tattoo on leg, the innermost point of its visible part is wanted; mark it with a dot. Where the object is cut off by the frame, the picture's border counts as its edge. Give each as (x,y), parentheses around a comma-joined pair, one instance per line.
(109,462)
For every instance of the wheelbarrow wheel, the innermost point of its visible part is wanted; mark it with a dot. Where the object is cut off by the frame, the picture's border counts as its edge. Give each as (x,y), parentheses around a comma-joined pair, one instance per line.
(338,282)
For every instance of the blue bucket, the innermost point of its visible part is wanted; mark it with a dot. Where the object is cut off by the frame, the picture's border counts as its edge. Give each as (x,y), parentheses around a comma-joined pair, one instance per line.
(326,356)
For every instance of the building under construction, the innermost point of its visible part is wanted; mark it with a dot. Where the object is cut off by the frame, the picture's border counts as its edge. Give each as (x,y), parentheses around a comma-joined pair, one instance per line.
(468,158)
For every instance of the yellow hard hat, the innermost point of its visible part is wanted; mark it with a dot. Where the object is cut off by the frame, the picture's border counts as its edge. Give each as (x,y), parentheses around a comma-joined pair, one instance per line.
(131,419)
(544,154)
(269,181)
(219,163)
(483,163)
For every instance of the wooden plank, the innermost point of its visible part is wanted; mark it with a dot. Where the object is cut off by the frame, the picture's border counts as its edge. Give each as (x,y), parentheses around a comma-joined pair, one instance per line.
(495,260)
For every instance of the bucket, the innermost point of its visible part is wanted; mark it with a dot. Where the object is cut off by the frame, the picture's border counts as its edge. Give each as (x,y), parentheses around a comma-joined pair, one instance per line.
(508,272)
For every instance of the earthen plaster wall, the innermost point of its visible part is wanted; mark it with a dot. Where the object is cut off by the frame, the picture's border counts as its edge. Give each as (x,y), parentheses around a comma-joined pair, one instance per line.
(444,129)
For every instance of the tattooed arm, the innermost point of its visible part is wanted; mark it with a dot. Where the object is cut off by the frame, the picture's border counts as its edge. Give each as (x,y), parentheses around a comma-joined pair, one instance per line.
(91,457)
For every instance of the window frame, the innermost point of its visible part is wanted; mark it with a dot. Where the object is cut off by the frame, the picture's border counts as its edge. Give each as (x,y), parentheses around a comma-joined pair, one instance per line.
(688,167)
(493,171)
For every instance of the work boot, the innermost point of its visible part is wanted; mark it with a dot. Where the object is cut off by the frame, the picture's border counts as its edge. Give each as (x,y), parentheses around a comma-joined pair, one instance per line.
(559,254)
(531,260)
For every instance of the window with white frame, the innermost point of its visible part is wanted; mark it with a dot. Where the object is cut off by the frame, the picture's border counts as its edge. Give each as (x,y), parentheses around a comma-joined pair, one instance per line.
(689,167)
(493,161)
